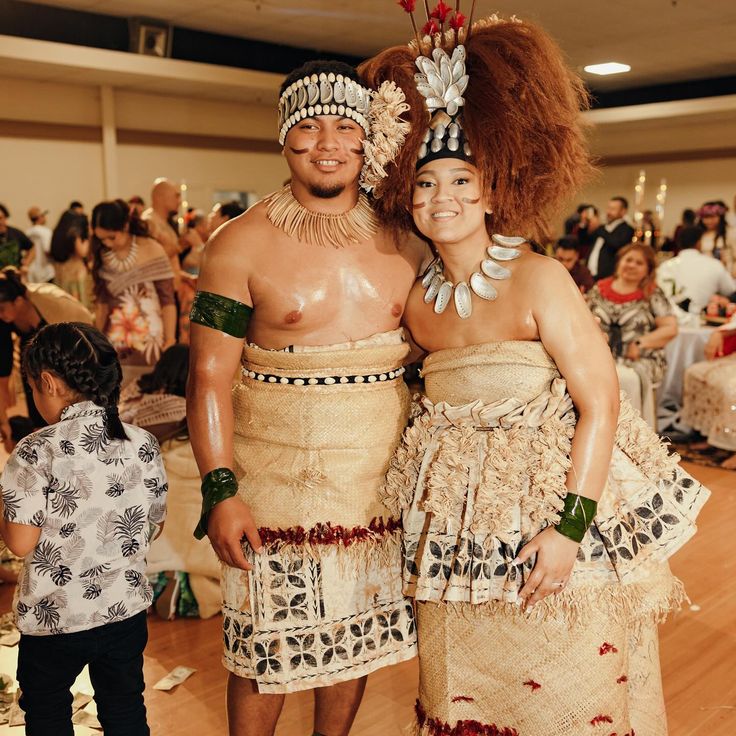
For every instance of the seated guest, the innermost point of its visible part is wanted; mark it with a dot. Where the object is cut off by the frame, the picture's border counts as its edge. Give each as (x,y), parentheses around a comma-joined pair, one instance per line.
(156,402)
(610,238)
(692,278)
(716,240)
(566,252)
(69,251)
(637,318)
(24,310)
(709,393)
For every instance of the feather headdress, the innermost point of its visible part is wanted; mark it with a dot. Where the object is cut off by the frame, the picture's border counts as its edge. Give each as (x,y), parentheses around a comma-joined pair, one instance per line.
(496,92)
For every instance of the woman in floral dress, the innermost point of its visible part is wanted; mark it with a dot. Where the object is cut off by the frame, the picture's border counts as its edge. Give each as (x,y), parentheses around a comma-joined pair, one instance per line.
(134,288)
(638,322)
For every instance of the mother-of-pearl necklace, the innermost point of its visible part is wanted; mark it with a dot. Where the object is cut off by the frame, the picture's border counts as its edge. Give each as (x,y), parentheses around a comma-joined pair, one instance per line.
(439,289)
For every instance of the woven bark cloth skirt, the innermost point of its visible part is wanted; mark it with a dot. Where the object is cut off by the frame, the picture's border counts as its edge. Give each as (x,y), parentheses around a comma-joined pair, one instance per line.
(313,438)
(477,481)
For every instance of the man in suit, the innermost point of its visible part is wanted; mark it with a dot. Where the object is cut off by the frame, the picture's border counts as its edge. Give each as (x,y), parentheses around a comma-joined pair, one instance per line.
(610,238)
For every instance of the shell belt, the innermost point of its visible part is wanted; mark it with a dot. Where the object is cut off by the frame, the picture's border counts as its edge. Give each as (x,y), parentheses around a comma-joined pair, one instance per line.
(391,375)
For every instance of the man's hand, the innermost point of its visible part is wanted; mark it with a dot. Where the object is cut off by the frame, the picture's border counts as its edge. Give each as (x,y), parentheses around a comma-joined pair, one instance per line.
(555,559)
(228,523)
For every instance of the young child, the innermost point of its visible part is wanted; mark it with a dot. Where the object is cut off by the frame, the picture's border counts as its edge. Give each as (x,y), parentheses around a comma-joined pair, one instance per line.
(82,500)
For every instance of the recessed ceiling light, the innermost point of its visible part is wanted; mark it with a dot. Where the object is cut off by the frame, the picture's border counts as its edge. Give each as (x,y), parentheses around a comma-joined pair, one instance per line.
(610,67)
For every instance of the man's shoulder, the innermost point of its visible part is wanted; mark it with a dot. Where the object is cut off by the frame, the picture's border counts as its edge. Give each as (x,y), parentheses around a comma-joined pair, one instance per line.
(412,248)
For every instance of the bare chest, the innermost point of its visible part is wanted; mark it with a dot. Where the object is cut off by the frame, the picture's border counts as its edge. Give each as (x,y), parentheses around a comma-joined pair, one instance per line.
(318,295)
(509,317)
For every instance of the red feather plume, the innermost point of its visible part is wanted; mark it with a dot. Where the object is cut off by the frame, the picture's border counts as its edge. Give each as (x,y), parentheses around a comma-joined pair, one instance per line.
(457,21)
(441,12)
(408,5)
(430,28)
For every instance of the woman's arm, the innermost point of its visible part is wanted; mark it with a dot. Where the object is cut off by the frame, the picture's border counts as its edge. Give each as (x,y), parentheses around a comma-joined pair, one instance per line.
(575,342)
(665,330)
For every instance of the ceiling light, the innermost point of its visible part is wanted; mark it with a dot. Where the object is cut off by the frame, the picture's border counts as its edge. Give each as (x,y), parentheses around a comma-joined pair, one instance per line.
(610,67)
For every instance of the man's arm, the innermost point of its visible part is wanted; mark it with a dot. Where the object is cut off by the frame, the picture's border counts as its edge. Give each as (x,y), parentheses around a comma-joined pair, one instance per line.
(216,344)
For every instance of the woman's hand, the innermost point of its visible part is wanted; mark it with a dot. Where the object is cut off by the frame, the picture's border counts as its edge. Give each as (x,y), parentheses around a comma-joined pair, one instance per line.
(556,556)
(714,346)
(633,351)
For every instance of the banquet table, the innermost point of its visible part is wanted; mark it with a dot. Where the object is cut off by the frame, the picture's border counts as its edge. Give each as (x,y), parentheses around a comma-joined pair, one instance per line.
(687,348)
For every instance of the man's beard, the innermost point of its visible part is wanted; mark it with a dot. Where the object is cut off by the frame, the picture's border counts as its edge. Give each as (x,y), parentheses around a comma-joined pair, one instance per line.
(326,192)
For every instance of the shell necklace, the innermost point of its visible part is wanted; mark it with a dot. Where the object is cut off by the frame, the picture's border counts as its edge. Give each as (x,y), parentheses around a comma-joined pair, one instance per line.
(121,265)
(441,291)
(285,212)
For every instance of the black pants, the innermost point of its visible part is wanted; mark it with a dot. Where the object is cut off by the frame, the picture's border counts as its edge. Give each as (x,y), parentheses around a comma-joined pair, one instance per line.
(48,666)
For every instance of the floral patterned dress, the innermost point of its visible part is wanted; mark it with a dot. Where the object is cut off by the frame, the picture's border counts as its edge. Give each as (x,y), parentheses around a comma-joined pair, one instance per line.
(136,299)
(626,317)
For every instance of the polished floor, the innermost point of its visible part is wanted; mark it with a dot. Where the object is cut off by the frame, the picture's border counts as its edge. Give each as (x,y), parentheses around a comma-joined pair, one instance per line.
(698,652)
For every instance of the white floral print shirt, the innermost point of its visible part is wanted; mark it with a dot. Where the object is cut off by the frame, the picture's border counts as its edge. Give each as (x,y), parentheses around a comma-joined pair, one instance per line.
(98,502)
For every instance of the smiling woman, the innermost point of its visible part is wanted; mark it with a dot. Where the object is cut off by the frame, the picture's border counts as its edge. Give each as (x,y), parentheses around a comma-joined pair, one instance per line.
(536,602)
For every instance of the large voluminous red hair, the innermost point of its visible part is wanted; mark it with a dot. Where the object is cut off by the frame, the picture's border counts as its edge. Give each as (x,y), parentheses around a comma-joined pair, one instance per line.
(522,119)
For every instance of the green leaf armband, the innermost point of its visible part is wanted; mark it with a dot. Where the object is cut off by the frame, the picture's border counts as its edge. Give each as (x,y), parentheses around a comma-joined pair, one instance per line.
(576,517)
(221,313)
(218,485)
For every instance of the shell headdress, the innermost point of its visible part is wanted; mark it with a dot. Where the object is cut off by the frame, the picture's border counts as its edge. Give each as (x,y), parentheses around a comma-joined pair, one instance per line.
(496,92)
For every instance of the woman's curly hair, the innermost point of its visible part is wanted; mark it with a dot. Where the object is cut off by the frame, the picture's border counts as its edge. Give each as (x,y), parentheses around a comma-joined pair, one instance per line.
(522,119)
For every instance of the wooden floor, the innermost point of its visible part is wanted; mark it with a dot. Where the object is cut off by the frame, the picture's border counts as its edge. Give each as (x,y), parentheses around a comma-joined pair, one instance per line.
(698,651)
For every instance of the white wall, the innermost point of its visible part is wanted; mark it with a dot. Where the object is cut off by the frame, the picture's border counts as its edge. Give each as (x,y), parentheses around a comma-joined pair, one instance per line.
(204,171)
(49,174)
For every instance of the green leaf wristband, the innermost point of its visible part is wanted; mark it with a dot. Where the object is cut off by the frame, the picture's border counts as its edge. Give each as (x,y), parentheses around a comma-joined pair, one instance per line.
(218,485)
(221,313)
(576,516)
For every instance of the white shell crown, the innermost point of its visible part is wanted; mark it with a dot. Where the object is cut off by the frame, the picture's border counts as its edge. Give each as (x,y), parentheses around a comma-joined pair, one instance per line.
(442,81)
(326,93)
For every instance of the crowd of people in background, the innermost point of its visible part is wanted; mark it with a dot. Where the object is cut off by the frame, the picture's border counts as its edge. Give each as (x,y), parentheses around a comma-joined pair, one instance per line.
(642,286)
(131,270)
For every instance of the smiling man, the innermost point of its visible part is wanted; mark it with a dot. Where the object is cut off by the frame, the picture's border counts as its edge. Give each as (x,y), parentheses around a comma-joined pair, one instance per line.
(294,461)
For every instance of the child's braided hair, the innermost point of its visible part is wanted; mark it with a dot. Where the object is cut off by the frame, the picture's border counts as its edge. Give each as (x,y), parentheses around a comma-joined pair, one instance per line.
(84,359)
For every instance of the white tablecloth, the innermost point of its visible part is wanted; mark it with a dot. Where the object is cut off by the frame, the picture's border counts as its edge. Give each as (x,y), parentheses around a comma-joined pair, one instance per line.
(686,349)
